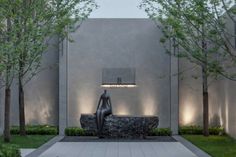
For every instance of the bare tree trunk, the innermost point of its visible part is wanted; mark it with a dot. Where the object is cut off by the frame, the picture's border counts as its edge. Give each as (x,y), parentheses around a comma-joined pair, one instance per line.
(205,88)
(205,103)
(20,86)
(21,107)
(7,94)
(7,114)
(205,82)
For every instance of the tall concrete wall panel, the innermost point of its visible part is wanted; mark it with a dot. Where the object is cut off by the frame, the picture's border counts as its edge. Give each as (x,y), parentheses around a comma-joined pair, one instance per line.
(230,107)
(118,43)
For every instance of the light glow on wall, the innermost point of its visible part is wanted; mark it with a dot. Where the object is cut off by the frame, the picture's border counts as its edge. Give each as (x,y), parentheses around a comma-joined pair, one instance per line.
(226,115)
(188,113)
(148,106)
(220,115)
(86,101)
(122,109)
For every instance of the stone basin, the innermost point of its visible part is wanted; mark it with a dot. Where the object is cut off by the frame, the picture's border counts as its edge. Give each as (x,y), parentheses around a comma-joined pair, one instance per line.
(117,126)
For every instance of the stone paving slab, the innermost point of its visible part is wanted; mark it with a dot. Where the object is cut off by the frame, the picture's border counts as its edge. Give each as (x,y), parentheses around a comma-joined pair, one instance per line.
(25,152)
(117,149)
(44,147)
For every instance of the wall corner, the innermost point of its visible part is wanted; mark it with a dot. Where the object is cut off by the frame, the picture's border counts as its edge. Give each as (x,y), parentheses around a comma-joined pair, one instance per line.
(63,85)
(174,94)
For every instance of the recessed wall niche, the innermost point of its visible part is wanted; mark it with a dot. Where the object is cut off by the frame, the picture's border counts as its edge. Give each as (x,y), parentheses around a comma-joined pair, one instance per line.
(118,77)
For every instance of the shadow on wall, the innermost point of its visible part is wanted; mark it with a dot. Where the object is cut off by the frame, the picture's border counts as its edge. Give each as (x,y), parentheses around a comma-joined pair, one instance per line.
(215,121)
(42,113)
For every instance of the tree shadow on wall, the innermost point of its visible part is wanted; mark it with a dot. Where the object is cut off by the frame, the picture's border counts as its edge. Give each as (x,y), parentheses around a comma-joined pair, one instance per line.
(215,121)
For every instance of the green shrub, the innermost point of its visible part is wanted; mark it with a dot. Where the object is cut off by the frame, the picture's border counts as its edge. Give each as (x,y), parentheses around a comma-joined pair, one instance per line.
(198,130)
(216,131)
(160,132)
(36,130)
(9,151)
(192,130)
(74,131)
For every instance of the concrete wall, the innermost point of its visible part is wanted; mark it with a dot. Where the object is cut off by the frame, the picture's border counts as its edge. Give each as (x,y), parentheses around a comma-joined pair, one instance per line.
(118,43)
(190,97)
(229,101)
(1,112)
(41,93)
(230,108)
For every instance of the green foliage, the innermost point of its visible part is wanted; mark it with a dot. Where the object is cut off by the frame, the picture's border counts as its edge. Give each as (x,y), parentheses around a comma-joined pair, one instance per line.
(31,25)
(36,130)
(26,29)
(216,131)
(9,151)
(75,131)
(194,130)
(198,130)
(198,30)
(160,132)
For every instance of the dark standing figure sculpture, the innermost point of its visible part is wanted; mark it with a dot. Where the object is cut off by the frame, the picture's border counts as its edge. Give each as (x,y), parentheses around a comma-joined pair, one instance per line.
(104,109)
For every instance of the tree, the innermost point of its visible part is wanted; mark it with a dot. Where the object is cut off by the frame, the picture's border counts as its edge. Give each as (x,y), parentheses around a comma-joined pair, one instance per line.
(40,21)
(33,27)
(198,29)
(9,57)
(26,28)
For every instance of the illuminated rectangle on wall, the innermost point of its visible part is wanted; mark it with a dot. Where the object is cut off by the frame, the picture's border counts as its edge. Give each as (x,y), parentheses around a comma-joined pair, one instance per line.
(118,77)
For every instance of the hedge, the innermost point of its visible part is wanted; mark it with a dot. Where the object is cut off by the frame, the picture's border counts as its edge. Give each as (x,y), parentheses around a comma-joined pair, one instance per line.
(75,131)
(36,130)
(9,151)
(160,132)
(198,130)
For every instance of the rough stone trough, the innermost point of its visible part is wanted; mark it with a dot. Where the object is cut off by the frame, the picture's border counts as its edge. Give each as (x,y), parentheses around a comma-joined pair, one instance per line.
(116,126)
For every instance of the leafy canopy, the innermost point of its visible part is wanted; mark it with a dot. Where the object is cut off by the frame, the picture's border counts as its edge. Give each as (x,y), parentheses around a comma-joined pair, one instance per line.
(200,29)
(26,27)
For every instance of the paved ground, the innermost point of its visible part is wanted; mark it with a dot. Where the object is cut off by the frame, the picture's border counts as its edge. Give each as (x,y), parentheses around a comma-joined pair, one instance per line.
(25,152)
(117,149)
(45,147)
(60,146)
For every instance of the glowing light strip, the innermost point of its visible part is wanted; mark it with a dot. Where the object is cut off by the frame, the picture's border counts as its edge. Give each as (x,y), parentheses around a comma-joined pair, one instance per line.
(118,85)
